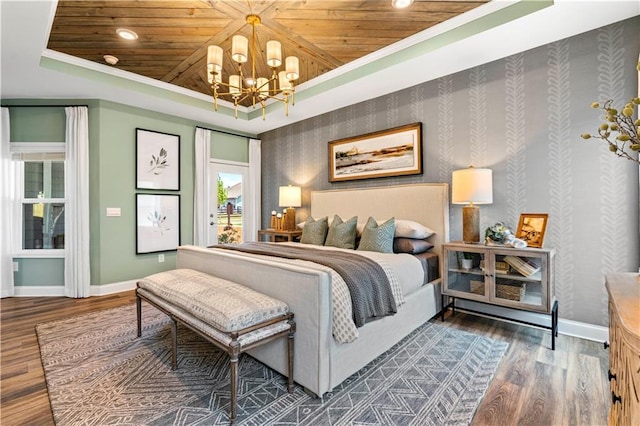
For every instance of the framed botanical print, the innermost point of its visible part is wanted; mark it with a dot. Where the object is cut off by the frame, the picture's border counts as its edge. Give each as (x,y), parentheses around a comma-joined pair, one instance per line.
(157,223)
(157,160)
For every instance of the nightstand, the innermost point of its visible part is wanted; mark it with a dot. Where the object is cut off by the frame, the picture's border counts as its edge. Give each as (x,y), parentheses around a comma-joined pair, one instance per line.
(518,279)
(279,235)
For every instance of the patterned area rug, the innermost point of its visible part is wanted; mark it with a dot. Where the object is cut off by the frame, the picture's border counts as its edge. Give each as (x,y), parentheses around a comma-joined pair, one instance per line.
(99,373)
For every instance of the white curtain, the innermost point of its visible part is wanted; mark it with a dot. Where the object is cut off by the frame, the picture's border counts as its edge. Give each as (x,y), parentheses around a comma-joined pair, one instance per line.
(201,188)
(7,192)
(77,276)
(254,188)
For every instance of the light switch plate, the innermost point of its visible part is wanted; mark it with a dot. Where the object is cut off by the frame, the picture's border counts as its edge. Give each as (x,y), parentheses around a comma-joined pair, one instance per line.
(113,211)
(16,267)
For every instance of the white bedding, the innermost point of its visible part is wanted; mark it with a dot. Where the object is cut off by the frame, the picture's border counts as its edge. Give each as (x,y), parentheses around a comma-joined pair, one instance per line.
(404,272)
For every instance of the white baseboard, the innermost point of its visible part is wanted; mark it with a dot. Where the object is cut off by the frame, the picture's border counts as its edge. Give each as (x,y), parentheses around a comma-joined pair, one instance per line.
(583,330)
(566,327)
(38,291)
(56,291)
(103,290)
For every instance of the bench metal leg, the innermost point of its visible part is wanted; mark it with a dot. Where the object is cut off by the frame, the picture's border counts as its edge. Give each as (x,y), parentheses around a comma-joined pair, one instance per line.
(139,314)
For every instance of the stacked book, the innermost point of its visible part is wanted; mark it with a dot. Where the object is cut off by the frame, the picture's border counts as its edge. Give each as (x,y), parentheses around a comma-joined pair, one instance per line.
(500,267)
(526,267)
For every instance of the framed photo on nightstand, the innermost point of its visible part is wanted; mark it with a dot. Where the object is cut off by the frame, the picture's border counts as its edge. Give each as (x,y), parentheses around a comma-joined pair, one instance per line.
(531,228)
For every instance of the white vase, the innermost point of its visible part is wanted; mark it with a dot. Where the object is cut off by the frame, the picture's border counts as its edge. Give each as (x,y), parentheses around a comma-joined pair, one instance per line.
(467,264)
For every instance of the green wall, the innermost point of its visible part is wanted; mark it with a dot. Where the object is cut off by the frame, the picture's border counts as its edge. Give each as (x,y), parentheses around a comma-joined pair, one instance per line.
(37,124)
(39,272)
(229,147)
(112,139)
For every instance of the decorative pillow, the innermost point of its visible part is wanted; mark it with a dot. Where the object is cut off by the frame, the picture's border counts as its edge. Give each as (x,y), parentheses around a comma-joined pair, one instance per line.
(314,231)
(411,229)
(405,229)
(342,234)
(378,238)
(411,245)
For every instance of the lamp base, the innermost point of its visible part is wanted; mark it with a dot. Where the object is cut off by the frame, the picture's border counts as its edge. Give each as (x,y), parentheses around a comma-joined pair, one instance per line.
(471,224)
(290,219)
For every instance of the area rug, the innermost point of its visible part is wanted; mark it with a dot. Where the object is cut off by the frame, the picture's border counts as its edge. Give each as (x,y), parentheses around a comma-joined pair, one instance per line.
(99,373)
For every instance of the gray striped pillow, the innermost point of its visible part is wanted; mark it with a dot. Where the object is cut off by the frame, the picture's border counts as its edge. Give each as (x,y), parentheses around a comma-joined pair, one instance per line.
(378,238)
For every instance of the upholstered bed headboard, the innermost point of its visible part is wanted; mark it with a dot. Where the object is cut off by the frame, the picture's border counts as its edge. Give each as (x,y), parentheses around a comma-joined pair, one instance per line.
(425,203)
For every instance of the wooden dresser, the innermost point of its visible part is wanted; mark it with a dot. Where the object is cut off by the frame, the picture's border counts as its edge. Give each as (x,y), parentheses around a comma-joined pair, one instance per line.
(624,355)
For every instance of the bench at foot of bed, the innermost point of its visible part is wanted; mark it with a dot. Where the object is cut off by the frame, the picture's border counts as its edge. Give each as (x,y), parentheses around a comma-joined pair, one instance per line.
(229,315)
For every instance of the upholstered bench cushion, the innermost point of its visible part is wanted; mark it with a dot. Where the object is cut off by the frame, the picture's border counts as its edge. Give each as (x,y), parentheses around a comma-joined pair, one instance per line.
(222,304)
(224,338)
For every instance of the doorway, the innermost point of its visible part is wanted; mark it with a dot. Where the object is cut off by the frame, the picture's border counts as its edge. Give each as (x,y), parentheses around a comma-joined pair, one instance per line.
(227,201)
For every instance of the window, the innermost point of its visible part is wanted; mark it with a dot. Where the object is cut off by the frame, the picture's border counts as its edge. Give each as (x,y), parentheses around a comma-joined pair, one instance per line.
(43,205)
(41,188)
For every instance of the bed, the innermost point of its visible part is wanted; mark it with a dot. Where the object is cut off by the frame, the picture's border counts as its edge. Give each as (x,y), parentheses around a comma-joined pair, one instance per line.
(321,362)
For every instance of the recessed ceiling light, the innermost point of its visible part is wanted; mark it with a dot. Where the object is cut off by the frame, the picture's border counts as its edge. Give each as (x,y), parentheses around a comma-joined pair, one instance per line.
(126,34)
(401,4)
(110,59)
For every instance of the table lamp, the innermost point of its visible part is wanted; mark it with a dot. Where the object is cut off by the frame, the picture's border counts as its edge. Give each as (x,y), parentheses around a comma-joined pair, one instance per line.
(471,186)
(290,197)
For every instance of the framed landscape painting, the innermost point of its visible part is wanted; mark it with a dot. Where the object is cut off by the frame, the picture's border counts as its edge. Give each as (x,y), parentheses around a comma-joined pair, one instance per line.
(157,223)
(392,152)
(157,160)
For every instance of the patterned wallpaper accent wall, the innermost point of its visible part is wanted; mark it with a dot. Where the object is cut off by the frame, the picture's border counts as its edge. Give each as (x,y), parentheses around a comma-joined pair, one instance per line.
(521,116)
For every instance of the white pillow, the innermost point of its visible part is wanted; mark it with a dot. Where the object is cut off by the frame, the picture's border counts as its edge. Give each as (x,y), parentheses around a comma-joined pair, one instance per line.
(405,229)
(411,229)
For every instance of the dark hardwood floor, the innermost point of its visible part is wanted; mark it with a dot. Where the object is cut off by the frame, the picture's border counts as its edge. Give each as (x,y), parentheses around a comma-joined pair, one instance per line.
(533,385)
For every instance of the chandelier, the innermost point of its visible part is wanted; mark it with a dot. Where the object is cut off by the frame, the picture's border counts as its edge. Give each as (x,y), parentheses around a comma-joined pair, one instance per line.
(240,87)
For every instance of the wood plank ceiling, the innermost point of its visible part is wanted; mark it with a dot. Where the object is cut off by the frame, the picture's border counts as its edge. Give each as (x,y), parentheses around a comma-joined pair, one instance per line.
(174,35)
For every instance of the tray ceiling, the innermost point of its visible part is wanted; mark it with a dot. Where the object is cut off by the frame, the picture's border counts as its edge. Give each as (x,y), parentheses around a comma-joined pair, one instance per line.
(174,35)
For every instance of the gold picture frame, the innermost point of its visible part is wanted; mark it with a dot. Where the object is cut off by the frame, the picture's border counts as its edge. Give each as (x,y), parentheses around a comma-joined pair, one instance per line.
(391,152)
(531,228)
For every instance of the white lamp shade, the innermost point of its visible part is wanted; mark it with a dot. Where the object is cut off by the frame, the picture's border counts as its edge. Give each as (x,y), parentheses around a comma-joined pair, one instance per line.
(274,53)
(290,196)
(472,186)
(285,85)
(263,87)
(235,85)
(214,59)
(210,75)
(293,68)
(239,48)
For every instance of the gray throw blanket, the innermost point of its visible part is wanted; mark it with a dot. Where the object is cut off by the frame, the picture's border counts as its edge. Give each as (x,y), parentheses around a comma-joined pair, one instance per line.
(368,284)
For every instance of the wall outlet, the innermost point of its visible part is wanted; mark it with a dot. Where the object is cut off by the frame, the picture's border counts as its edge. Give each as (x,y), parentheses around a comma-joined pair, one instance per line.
(16,267)
(160,258)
